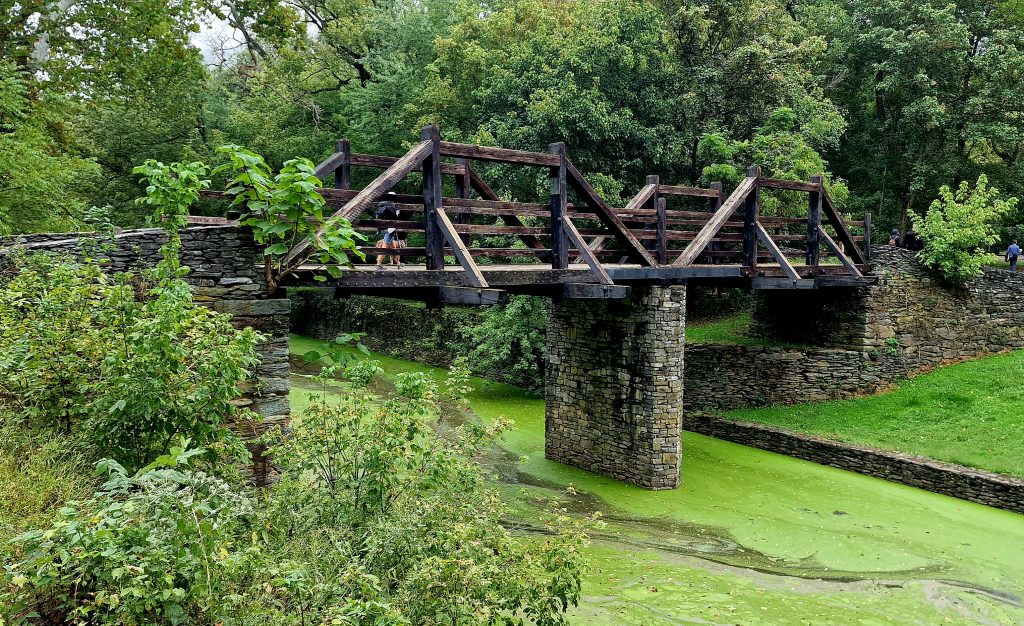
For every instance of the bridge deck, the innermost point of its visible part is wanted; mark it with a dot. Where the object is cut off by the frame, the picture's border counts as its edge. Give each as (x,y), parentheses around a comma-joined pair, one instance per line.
(451,284)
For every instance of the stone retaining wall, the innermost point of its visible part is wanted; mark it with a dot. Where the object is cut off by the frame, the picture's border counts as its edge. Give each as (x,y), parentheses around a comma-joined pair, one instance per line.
(1004,492)
(223,276)
(727,377)
(614,385)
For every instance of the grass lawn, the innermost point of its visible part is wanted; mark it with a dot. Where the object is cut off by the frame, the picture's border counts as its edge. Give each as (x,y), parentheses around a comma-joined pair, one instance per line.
(730,330)
(971,413)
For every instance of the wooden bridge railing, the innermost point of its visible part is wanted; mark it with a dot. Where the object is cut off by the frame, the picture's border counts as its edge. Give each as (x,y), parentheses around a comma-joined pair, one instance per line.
(645,230)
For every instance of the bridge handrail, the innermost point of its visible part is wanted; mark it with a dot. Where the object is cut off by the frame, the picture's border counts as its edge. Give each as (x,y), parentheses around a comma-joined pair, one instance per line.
(644,228)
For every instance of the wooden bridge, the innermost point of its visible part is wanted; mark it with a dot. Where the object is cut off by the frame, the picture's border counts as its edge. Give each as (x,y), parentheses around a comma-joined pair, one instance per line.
(583,248)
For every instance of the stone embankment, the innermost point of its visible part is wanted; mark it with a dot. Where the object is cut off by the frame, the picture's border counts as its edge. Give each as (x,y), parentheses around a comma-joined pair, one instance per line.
(997,490)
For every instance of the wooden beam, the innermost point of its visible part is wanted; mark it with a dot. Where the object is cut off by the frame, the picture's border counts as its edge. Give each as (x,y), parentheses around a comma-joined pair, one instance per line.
(362,200)
(605,213)
(328,165)
(777,254)
(813,253)
(850,266)
(591,291)
(585,252)
(470,296)
(793,185)
(641,198)
(384,162)
(662,229)
(751,213)
(432,202)
(343,173)
(476,279)
(867,236)
(718,219)
(677,190)
(558,206)
(502,155)
(763,283)
(842,230)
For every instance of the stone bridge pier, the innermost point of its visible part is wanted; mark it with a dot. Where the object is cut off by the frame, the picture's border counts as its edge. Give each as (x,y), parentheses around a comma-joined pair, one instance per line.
(614,385)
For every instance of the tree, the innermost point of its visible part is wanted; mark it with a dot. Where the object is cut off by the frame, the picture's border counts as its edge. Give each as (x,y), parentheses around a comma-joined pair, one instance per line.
(959,226)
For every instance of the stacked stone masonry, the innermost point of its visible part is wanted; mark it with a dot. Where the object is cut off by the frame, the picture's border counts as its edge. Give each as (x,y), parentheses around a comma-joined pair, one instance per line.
(224,276)
(614,385)
(859,341)
(1004,492)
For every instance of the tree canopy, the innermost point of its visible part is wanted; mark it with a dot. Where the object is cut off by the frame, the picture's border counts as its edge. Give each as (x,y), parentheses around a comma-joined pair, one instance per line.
(892,99)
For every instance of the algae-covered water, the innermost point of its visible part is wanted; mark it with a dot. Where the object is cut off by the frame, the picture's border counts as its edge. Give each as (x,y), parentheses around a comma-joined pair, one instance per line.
(753,537)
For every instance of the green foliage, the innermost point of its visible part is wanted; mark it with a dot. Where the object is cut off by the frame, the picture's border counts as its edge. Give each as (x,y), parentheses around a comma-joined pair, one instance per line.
(959,227)
(150,547)
(127,366)
(392,522)
(171,190)
(285,210)
(511,339)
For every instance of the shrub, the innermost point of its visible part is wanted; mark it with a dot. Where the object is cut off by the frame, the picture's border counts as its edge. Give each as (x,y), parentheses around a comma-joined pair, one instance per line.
(511,340)
(390,522)
(128,363)
(958,228)
(148,548)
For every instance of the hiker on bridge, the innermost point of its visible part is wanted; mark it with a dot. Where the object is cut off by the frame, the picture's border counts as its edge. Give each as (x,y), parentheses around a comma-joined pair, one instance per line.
(894,238)
(389,236)
(912,242)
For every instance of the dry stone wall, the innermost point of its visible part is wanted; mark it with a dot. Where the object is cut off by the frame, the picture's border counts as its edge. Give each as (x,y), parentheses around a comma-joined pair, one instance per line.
(614,385)
(223,276)
(860,340)
(1004,492)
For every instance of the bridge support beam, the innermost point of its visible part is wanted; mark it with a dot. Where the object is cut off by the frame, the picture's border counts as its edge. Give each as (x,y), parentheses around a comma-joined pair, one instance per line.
(614,385)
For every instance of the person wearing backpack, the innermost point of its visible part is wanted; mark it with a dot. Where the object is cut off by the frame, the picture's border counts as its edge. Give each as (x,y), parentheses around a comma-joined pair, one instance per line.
(1012,253)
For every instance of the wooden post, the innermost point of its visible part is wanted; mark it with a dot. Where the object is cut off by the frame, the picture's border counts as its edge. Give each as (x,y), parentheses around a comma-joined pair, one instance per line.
(432,198)
(719,201)
(463,187)
(813,222)
(653,204)
(559,204)
(343,174)
(751,213)
(662,232)
(867,236)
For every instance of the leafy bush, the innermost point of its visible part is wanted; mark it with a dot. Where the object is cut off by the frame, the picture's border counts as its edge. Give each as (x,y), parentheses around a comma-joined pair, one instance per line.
(127,363)
(958,228)
(148,548)
(511,340)
(284,210)
(389,522)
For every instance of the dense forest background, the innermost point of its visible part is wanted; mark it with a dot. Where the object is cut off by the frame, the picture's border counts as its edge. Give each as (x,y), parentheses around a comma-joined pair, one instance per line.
(891,98)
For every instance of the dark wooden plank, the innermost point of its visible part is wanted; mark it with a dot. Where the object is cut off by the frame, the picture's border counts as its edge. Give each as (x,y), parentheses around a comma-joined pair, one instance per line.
(777,254)
(662,228)
(677,190)
(476,279)
(585,252)
(328,165)
(751,213)
(850,266)
(432,202)
(471,296)
(591,291)
(813,223)
(867,236)
(502,155)
(793,185)
(559,206)
(763,283)
(589,196)
(384,162)
(343,173)
(641,198)
(362,200)
(715,223)
(838,222)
